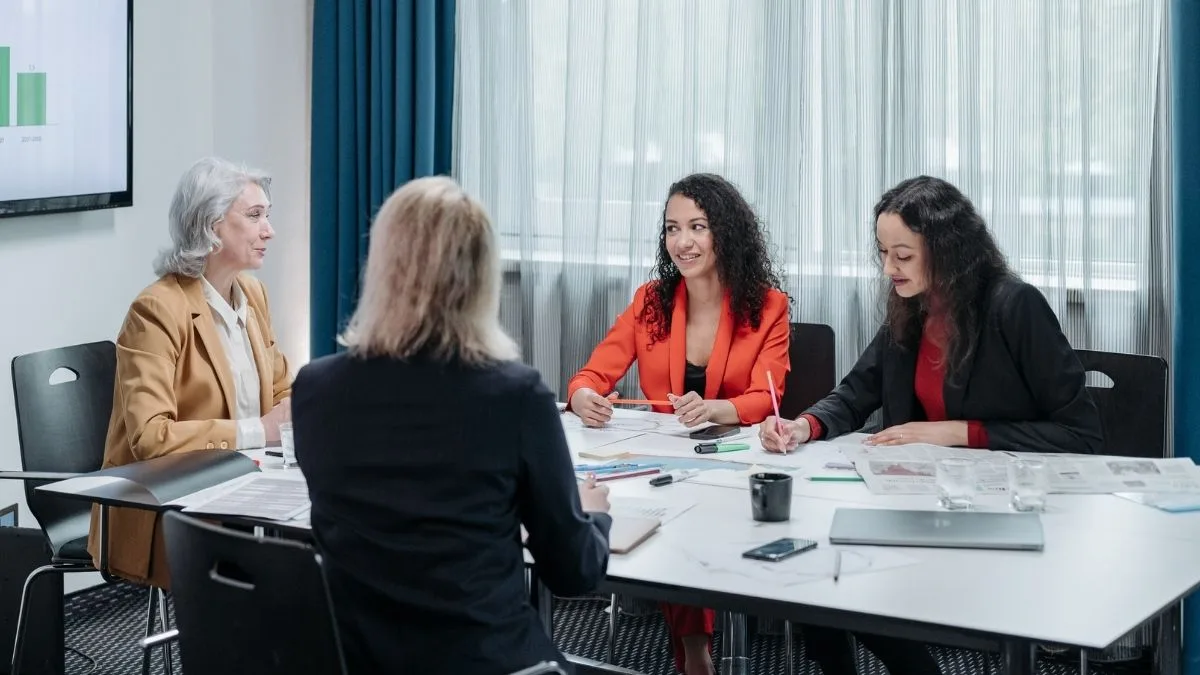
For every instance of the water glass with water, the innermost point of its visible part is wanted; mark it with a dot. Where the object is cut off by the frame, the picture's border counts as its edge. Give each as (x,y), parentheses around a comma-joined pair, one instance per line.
(1027,484)
(956,483)
(287,443)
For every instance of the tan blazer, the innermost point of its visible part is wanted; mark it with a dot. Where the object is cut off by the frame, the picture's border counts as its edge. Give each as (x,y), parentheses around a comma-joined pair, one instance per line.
(174,393)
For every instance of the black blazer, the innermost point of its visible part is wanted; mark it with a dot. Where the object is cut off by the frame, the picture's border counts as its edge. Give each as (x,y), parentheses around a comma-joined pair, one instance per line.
(420,476)
(1023,381)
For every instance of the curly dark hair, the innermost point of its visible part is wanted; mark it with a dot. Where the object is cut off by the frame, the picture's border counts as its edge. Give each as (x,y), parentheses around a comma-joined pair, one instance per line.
(962,261)
(739,243)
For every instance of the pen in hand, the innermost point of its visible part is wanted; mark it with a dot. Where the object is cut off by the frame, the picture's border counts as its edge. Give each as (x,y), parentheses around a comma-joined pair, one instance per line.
(775,405)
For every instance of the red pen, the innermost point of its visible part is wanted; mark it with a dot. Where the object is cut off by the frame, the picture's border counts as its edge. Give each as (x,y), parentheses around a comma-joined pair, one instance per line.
(775,405)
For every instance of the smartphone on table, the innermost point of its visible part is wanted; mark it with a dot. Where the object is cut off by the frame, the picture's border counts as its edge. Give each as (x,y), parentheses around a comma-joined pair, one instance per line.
(780,549)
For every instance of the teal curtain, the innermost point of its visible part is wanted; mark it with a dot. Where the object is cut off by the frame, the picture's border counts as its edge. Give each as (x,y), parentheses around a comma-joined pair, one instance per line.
(1185,82)
(382,93)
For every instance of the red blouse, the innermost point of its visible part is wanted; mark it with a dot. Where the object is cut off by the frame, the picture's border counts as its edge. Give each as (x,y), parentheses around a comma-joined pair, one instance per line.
(928,382)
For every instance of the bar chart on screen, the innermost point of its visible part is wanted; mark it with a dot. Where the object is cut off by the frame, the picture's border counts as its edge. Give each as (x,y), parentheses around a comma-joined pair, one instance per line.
(63,105)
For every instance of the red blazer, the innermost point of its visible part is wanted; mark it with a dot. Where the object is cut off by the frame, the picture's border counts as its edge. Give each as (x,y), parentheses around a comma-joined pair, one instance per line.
(737,369)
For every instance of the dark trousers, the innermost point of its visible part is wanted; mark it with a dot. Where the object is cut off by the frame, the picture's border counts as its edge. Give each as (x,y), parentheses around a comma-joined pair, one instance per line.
(834,652)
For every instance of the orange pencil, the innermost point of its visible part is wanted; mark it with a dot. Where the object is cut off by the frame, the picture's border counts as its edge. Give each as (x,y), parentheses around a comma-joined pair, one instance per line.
(638,401)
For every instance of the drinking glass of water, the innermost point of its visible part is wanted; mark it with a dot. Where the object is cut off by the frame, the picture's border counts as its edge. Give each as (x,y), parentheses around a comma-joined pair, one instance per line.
(287,443)
(956,483)
(1027,484)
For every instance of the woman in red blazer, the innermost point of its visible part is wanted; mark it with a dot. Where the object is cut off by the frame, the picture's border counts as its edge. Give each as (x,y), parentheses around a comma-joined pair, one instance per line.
(705,332)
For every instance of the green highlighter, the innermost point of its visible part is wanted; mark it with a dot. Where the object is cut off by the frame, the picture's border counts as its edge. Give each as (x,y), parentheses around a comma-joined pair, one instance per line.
(710,448)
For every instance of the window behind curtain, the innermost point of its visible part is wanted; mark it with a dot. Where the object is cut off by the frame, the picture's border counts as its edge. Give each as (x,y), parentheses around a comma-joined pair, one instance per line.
(575,117)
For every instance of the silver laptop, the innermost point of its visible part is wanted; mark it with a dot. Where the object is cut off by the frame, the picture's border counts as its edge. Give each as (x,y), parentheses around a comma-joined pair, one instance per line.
(938,529)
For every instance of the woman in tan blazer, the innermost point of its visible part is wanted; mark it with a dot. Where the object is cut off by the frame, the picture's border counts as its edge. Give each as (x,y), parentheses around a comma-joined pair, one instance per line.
(197,363)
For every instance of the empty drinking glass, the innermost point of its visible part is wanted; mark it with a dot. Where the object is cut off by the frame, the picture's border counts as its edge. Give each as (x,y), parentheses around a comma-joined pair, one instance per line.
(1027,484)
(956,483)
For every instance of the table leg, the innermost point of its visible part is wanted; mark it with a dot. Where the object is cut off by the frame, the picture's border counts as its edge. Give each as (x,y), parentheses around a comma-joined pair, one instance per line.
(1168,656)
(734,654)
(1017,657)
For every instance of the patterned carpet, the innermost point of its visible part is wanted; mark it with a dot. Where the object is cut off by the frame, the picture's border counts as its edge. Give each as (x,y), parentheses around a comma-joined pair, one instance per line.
(104,624)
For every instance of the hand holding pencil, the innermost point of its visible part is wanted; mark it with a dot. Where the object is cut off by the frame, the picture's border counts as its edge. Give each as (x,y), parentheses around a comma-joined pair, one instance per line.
(777,434)
(595,410)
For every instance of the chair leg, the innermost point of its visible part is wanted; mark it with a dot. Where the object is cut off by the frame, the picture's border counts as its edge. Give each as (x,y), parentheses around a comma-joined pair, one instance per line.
(1083,662)
(613,609)
(164,620)
(787,648)
(23,618)
(151,606)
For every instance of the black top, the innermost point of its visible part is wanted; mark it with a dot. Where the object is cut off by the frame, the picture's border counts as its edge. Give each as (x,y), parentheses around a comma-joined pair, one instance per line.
(420,476)
(1023,381)
(694,378)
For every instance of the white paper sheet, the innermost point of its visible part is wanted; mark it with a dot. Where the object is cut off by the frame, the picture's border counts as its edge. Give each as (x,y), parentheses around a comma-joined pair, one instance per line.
(269,496)
(645,507)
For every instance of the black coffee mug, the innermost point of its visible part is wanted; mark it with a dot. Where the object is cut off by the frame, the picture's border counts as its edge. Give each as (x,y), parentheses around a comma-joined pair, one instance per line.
(771,496)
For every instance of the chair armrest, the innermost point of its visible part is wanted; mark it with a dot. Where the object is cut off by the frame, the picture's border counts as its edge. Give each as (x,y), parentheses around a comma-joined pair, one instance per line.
(38,475)
(159,638)
(586,666)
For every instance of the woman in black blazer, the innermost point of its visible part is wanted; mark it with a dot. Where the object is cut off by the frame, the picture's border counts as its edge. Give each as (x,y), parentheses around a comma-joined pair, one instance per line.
(969,355)
(427,445)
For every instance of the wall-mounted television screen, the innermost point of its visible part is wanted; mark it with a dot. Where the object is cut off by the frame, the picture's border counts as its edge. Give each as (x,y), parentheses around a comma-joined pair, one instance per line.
(66,105)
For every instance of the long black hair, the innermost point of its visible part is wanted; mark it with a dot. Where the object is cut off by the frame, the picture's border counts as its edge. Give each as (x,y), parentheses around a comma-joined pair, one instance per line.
(739,243)
(962,260)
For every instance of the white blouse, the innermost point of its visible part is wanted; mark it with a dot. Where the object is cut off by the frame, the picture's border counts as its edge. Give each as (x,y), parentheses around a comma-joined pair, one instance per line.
(231,326)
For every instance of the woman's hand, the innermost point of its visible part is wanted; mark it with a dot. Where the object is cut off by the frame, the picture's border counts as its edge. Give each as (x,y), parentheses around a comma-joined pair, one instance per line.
(595,410)
(780,435)
(935,433)
(593,496)
(691,409)
(282,412)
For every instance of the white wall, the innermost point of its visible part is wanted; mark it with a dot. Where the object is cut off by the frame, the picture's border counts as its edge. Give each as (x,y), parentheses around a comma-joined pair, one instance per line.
(225,77)
(261,116)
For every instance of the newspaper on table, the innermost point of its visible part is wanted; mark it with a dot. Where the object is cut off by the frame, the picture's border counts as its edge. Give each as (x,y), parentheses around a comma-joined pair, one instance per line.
(912,469)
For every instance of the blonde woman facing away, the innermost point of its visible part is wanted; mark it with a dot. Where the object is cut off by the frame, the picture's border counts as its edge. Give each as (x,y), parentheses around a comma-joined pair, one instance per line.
(197,363)
(427,445)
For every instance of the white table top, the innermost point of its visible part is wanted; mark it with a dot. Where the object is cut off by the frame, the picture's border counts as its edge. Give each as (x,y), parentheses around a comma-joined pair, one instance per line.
(1108,564)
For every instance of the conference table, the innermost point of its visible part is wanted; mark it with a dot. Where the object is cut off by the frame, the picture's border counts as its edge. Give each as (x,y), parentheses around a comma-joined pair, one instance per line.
(1109,564)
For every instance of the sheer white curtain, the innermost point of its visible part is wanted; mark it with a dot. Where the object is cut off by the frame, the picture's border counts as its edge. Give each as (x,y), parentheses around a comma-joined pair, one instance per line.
(573,118)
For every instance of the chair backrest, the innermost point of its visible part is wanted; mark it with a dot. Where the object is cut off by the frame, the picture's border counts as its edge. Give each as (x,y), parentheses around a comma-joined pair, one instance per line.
(249,604)
(1133,411)
(63,400)
(814,368)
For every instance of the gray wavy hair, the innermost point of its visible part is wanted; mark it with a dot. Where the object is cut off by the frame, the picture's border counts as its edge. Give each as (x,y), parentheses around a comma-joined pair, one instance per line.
(203,196)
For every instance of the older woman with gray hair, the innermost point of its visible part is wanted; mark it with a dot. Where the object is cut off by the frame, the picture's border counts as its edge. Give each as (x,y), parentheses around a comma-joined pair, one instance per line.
(197,363)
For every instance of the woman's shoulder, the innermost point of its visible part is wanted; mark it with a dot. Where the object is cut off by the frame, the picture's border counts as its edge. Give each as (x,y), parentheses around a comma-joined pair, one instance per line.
(167,295)
(1008,294)
(776,301)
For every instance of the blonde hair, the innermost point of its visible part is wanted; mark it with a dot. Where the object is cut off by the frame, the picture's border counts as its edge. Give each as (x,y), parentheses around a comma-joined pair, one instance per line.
(432,283)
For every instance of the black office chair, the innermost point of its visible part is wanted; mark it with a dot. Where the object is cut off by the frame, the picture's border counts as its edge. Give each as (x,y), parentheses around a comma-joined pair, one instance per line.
(814,368)
(1133,411)
(61,427)
(249,604)
(1133,415)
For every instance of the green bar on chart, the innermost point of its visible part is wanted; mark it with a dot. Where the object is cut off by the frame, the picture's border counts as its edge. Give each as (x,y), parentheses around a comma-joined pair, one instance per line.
(5,86)
(31,99)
